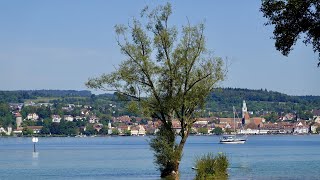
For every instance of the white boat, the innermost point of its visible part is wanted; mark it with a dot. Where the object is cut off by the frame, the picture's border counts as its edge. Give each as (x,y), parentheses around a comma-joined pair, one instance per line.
(233,139)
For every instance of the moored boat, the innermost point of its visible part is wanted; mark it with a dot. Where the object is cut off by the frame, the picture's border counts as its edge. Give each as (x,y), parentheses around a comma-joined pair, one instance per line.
(232,139)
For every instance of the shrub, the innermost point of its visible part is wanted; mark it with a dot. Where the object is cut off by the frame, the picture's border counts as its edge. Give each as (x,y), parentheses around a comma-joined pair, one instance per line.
(210,167)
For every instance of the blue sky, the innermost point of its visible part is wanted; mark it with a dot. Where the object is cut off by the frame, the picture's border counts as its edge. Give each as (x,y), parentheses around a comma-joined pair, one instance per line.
(59,44)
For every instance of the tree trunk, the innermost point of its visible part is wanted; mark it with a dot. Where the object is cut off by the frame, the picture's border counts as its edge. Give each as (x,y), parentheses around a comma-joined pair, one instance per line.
(172,170)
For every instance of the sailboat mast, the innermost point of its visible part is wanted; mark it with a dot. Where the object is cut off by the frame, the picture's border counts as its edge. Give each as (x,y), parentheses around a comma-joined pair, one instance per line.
(234,119)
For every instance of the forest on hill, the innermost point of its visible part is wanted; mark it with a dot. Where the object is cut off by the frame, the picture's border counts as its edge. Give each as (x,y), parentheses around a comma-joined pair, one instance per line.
(20,96)
(221,100)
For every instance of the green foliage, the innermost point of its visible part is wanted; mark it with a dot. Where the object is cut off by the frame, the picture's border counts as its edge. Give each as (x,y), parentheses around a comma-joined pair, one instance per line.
(217,131)
(90,130)
(104,130)
(115,131)
(305,115)
(26,131)
(45,130)
(28,123)
(203,130)
(3,134)
(318,130)
(21,96)
(210,167)
(272,117)
(6,117)
(228,131)
(127,132)
(290,19)
(163,144)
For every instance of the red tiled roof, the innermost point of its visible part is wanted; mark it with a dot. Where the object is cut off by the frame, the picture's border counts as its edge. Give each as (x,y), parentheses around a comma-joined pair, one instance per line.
(34,127)
(246,115)
(257,120)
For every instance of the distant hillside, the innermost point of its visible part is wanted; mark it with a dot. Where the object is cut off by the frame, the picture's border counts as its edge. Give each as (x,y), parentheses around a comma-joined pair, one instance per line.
(22,95)
(220,100)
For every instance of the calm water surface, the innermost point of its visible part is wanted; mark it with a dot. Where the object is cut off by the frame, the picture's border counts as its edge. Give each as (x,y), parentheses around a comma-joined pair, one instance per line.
(262,157)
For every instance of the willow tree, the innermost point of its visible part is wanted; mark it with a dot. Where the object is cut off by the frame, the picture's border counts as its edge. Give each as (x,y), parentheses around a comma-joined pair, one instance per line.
(167,74)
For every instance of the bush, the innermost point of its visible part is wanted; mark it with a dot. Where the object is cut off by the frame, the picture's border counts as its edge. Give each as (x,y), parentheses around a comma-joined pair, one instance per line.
(212,167)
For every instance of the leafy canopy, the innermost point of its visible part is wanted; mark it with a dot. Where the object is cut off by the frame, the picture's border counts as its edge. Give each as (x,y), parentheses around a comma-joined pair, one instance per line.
(291,18)
(164,73)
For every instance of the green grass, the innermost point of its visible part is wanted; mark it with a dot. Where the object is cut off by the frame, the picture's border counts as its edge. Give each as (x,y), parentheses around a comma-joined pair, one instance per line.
(47,99)
(210,167)
(41,99)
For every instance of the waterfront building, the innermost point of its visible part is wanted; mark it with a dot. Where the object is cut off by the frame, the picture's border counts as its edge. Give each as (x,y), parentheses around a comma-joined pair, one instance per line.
(301,128)
(138,131)
(2,130)
(35,129)
(9,130)
(249,131)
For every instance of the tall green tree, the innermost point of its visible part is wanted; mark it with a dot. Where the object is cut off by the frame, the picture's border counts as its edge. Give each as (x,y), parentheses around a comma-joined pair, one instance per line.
(217,131)
(6,117)
(292,18)
(168,74)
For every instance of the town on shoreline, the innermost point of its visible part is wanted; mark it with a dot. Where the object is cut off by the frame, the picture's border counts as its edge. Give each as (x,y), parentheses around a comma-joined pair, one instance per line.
(58,119)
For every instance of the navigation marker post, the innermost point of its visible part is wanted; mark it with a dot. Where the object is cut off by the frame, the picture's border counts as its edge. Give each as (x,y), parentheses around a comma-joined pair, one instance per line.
(34,140)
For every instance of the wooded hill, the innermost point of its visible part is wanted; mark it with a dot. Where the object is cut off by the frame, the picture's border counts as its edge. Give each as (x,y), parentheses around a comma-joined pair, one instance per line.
(220,100)
(224,98)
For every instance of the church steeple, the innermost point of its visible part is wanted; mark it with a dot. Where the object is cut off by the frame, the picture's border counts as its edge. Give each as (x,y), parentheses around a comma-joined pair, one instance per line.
(244,109)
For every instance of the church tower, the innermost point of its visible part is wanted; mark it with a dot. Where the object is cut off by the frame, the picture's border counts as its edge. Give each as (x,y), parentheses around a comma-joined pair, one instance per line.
(244,109)
(245,115)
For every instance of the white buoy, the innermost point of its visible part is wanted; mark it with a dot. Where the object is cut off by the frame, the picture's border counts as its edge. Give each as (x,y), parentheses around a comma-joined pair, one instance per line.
(34,140)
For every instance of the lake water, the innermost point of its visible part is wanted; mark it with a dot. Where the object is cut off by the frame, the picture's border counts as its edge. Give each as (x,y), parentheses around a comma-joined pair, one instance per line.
(262,157)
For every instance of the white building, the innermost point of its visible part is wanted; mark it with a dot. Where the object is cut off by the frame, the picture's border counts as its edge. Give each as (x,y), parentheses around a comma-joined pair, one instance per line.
(33,116)
(316,119)
(68,118)
(2,130)
(250,131)
(138,131)
(301,129)
(201,122)
(56,118)
(254,131)
(93,119)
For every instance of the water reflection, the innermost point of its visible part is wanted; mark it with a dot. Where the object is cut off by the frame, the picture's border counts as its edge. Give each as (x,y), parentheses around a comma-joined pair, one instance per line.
(35,155)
